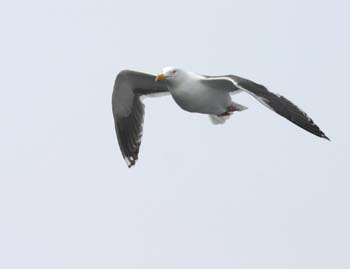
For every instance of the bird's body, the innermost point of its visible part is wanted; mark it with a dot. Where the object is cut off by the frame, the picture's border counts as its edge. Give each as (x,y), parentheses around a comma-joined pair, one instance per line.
(203,98)
(194,93)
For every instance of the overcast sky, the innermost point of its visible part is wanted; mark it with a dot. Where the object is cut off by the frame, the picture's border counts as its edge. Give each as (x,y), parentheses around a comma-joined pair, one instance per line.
(257,192)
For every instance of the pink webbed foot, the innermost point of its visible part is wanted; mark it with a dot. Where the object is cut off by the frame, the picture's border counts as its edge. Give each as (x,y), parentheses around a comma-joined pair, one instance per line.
(229,111)
(232,108)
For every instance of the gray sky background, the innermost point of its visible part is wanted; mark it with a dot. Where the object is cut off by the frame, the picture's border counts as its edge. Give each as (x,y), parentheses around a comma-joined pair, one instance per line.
(257,192)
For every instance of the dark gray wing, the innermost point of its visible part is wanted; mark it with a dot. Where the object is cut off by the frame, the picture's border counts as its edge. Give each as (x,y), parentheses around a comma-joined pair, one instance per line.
(275,102)
(128,109)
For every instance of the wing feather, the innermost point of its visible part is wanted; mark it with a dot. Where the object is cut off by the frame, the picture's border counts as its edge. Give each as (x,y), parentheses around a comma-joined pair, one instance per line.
(128,109)
(273,101)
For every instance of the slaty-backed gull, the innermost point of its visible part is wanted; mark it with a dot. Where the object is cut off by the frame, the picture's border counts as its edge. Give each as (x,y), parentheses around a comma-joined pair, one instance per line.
(194,93)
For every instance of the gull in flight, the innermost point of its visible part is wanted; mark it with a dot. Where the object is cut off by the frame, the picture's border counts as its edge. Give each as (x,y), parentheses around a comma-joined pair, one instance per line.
(209,95)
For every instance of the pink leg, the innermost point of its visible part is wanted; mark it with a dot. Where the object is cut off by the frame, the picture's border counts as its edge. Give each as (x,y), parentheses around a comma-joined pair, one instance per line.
(232,108)
(229,110)
(225,114)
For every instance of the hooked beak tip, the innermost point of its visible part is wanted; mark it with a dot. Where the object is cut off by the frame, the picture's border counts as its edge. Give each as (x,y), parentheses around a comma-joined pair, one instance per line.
(160,77)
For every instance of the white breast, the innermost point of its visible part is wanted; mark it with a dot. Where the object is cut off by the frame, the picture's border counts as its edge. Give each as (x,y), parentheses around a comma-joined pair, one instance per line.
(193,96)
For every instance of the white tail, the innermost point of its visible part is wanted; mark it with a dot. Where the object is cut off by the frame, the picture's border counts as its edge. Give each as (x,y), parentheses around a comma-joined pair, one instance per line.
(222,119)
(218,119)
(239,106)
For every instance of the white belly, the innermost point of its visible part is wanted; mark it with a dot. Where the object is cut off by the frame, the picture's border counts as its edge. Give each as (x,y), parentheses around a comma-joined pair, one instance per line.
(202,100)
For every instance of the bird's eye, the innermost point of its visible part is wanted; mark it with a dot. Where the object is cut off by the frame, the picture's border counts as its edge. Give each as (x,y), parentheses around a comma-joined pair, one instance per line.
(174,71)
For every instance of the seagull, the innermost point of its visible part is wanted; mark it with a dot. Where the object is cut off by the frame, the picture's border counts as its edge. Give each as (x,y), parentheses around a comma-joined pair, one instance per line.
(196,93)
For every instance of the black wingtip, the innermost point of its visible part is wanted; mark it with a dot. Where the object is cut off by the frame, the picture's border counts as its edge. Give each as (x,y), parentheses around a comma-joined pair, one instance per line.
(325,137)
(131,165)
(130,161)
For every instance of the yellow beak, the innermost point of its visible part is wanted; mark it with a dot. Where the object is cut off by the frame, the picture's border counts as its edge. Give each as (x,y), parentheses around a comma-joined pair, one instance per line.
(160,77)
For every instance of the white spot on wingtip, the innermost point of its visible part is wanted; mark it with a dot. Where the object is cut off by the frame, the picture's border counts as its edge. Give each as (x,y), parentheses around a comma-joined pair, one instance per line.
(128,163)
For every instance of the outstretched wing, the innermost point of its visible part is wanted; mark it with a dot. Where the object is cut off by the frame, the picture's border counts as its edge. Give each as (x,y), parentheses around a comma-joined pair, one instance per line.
(275,102)
(128,109)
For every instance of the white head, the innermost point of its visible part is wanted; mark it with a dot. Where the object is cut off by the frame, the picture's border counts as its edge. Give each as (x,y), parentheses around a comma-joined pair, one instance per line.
(170,74)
